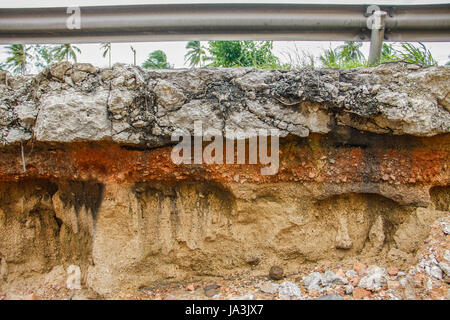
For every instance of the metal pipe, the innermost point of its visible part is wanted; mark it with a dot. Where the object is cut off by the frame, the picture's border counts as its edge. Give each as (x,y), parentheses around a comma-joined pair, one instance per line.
(221,21)
(376,40)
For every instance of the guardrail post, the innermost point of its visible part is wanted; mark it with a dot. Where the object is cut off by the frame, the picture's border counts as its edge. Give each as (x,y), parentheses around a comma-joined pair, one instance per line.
(377,36)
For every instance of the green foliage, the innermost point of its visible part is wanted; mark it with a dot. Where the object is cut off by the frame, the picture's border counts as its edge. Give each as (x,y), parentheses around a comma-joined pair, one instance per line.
(347,56)
(43,55)
(66,51)
(196,54)
(106,47)
(351,51)
(17,60)
(330,58)
(416,54)
(257,54)
(157,60)
(388,53)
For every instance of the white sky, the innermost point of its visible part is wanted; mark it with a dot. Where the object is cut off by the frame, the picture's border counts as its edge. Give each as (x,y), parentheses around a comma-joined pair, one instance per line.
(175,50)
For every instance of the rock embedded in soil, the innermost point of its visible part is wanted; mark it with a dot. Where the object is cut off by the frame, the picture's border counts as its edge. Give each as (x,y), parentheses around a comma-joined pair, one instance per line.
(276,273)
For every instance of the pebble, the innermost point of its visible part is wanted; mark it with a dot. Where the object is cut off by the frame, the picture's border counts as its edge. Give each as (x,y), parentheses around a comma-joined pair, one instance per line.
(313,281)
(360,293)
(268,287)
(361,268)
(351,274)
(393,285)
(393,271)
(374,279)
(276,273)
(190,287)
(436,272)
(289,290)
(446,255)
(211,290)
(329,279)
(349,289)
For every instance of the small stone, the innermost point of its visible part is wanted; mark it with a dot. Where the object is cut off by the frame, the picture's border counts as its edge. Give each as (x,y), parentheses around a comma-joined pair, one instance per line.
(355,281)
(403,282)
(349,289)
(78,76)
(446,229)
(351,274)
(169,297)
(340,273)
(32,296)
(58,70)
(86,67)
(361,268)
(289,290)
(169,96)
(190,287)
(360,293)
(393,271)
(329,279)
(268,287)
(276,273)
(374,279)
(446,255)
(393,285)
(211,290)
(313,281)
(253,261)
(436,272)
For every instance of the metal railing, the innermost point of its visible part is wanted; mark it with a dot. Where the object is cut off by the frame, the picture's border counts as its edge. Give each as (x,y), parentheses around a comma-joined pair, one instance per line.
(262,21)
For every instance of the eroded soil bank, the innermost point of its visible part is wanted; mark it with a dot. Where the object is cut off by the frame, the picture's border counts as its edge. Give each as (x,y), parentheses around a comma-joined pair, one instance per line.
(364,175)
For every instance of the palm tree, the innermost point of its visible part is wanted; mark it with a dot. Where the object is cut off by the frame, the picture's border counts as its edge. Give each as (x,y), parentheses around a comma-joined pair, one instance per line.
(107,51)
(351,51)
(157,60)
(43,55)
(195,55)
(66,51)
(18,58)
(134,54)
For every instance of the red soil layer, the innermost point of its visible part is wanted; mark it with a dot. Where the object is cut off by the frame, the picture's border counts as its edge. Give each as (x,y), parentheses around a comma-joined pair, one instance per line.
(426,161)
